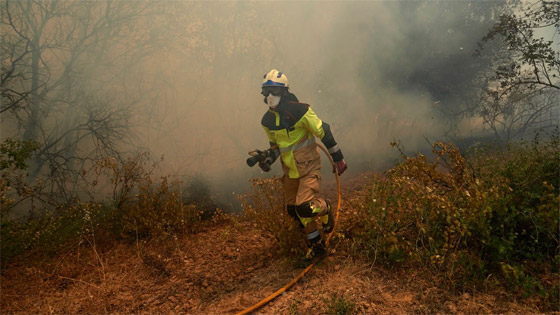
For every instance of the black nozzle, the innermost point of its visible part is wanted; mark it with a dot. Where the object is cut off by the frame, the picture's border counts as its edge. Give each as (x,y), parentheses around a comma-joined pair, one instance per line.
(254,160)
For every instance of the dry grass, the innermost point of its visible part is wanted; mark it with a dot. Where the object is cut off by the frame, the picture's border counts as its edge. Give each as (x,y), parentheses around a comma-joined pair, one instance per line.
(225,269)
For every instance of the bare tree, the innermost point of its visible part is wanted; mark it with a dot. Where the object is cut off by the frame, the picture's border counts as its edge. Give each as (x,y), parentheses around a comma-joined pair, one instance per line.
(523,92)
(534,62)
(13,56)
(523,111)
(69,79)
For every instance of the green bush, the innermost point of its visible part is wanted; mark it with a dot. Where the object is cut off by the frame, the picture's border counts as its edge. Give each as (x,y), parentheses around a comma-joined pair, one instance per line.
(492,212)
(341,305)
(527,214)
(14,153)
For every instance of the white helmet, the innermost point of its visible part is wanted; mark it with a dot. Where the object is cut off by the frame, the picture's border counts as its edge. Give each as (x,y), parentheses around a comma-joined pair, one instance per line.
(275,78)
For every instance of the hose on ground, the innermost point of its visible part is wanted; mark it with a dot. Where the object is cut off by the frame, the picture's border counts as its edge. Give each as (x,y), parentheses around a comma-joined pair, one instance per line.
(306,270)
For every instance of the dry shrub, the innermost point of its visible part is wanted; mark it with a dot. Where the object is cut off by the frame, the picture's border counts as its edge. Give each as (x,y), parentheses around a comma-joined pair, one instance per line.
(199,193)
(143,205)
(495,214)
(265,206)
(50,231)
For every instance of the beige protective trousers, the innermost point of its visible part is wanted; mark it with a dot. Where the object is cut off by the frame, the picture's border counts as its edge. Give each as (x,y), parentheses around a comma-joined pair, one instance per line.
(306,189)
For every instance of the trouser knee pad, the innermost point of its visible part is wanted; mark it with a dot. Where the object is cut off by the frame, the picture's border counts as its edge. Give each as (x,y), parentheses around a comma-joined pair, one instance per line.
(305,210)
(306,214)
(293,213)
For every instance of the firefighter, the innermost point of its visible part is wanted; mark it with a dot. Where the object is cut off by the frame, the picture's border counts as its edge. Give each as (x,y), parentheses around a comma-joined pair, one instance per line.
(291,128)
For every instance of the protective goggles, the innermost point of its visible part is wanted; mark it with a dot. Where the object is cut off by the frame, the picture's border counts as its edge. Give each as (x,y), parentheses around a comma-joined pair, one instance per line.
(274,90)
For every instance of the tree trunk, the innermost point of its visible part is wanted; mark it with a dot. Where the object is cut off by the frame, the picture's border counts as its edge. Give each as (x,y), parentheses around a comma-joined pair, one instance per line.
(31,130)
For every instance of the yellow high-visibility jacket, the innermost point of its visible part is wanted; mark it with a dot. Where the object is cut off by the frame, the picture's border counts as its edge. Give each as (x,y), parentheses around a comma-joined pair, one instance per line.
(293,126)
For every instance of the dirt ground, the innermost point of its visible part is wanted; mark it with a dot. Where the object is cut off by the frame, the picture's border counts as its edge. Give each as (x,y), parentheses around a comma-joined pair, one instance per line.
(225,269)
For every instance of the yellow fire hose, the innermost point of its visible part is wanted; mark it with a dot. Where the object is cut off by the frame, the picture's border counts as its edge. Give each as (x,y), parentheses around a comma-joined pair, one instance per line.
(306,270)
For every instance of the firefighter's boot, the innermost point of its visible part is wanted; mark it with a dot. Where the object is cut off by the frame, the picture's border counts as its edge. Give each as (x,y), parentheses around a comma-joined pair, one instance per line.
(317,248)
(316,252)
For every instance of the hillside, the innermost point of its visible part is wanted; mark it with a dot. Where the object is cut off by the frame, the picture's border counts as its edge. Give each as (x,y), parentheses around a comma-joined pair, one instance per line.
(224,268)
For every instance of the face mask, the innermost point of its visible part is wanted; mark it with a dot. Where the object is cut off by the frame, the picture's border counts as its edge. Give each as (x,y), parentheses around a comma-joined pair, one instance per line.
(272,100)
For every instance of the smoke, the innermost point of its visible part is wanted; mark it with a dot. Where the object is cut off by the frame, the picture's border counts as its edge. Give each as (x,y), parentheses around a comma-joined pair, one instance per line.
(342,58)
(374,70)
(358,64)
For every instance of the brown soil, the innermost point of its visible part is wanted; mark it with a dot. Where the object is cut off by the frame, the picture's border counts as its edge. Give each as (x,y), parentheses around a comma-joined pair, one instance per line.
(224,269)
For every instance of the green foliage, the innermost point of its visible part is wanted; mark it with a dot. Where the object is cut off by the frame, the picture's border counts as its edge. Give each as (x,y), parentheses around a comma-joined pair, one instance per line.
(535,61)
(521,95)
(14,153)
(264,205)
(339,305)
(495,212)
(527,213)
(294,306)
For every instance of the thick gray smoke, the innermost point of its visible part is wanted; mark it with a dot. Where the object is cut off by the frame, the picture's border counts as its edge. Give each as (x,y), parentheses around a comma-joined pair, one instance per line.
(376,71)
(359,65)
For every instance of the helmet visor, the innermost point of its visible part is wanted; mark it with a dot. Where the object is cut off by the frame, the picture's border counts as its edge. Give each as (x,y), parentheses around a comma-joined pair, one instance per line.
(274,90)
